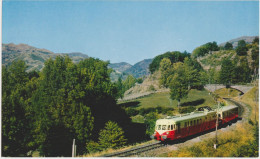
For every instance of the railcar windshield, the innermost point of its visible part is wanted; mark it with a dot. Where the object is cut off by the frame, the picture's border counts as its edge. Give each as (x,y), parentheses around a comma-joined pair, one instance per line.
(159,127)
(164,127)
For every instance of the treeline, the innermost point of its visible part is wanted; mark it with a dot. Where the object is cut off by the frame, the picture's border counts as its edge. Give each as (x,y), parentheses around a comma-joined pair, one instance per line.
(46,110)
(174,57)
(241,48)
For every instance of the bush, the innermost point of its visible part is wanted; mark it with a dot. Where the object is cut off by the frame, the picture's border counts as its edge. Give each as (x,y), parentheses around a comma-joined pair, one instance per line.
(93,147)
(112,136)
(131,111)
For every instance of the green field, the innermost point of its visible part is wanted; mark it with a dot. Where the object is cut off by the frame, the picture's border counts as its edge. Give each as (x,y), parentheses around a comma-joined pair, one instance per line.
(195,98)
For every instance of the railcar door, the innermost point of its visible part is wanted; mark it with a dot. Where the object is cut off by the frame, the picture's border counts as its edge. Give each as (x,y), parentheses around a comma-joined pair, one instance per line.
(178,130)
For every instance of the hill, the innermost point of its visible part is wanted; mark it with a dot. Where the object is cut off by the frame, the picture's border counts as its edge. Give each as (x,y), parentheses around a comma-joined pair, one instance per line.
(120,67)
(234,42)
(124,69)
(214,58)
(33,57)
(140,68)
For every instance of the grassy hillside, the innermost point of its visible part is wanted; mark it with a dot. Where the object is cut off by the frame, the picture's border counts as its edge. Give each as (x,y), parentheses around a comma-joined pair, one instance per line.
(249,98)
(162,103)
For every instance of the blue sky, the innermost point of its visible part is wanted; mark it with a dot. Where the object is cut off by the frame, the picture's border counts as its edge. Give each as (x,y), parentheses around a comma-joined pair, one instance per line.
(126,31)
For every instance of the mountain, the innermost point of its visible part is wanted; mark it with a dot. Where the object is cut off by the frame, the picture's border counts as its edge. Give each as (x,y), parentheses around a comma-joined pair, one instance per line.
(120,67)
(140,69)
(33,57)
(234,42)
(124,69)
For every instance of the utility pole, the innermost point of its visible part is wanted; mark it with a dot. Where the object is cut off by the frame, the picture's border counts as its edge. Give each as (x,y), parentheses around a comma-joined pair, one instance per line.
(74,148)
(216,142)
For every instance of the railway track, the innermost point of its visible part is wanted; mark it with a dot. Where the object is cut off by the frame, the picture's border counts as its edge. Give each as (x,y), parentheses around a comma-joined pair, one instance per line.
(136,150)
(145,148)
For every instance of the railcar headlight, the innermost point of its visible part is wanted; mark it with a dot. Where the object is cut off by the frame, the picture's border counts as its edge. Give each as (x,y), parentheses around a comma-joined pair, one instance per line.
(167,133)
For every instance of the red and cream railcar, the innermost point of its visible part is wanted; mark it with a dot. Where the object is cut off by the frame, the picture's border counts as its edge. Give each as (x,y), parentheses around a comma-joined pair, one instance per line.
(228,113)
(176,127)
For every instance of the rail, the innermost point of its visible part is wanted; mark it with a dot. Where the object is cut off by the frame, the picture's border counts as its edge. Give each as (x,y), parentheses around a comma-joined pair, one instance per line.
(136,150)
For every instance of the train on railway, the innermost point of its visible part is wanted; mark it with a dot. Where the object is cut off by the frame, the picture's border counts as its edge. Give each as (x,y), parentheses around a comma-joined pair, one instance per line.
(203,119)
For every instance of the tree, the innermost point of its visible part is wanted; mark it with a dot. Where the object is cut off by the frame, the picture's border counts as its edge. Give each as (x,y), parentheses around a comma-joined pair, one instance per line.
(120,87)
(16,134)
(166,71)
(174,57)
(225,76)
(241,48)
(129,82)
(179,85)
(193,73)
(112,136)
(228,46)
(256,40)
(205,49)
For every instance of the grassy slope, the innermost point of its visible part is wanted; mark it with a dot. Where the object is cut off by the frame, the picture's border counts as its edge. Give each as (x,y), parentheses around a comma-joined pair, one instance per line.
(249,99)
(195,98)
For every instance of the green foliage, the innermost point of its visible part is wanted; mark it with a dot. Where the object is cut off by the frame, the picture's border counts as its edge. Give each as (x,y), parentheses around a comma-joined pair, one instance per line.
(16,134)
(112,136)
(225,75)
(93,147)
(139,80)
(228,46)
(131,111)
(256,40)
(120,87)
(166,71)
(179,85)
(129,82)
(150,120)
(46,110)
(205,49)
(252,148)
(241,48)
(241,73)
(174,57)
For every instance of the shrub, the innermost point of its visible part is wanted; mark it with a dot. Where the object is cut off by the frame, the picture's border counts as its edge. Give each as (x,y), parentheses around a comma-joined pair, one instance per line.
(131,111)
(112,136)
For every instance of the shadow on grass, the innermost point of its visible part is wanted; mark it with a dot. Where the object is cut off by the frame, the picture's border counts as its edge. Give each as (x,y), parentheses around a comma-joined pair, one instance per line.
(193,103)
(129,104)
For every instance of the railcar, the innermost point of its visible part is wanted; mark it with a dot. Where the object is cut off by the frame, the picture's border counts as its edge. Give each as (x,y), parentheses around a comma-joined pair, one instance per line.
(176,127)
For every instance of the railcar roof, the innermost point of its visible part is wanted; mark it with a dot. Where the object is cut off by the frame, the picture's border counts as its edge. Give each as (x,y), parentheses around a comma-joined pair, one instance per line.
(187,117)
(225,108)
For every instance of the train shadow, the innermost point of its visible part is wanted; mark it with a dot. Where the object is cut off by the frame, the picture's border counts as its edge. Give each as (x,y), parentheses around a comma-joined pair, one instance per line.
(182,140)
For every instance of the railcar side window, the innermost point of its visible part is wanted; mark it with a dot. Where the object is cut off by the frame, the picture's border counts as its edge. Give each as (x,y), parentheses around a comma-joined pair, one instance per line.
(174,126)
(164,127)
(197,121)
(190,123)
(159,127)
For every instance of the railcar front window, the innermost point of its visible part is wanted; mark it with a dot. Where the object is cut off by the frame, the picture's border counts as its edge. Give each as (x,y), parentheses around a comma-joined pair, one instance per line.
(159,127)
(169,127)
(164,127)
